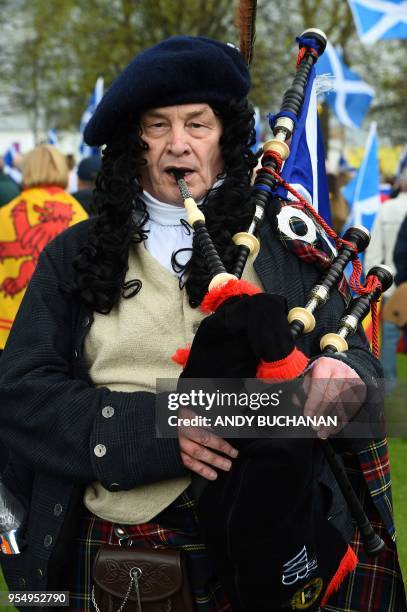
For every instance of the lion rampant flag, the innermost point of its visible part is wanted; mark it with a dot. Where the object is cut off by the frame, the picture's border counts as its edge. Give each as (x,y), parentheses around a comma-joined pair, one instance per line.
(27,224)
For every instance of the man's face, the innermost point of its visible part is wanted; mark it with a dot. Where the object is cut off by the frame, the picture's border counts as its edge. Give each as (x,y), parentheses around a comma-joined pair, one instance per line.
(185,137)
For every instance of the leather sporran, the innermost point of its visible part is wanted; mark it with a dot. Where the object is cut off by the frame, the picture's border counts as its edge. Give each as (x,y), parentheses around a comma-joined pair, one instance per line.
(140,580)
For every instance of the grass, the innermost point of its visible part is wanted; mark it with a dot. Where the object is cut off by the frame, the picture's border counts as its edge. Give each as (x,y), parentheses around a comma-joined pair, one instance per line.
(3,587)
(398,454)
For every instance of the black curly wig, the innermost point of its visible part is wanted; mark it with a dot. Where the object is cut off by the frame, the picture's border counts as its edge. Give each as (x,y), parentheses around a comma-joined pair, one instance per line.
(101,266)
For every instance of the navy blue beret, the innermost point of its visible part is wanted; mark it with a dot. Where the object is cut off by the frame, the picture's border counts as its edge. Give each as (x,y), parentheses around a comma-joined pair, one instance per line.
(178,70)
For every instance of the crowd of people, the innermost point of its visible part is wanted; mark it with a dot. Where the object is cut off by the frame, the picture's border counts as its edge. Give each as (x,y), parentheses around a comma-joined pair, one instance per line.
(112,278)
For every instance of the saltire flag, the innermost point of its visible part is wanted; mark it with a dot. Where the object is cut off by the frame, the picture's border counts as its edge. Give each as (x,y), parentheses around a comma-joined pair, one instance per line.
(305,167)
(84,149)
(363,191)
(351,97)
(363,196)
(379,19)
(52,138)
(9,157)
(27,224)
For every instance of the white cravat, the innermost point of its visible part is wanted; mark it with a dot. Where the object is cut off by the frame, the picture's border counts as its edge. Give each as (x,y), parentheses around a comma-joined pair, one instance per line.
(166,234)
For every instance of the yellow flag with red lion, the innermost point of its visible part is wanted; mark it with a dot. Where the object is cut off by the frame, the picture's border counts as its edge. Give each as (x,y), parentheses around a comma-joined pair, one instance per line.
(27,224)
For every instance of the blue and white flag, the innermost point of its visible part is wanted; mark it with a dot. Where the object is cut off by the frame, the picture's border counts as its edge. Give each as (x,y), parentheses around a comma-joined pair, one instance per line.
(84,149)
(52,138)
(9,167)
(379,19)
(305,167)
(9,155)
(363,191)
(351,97)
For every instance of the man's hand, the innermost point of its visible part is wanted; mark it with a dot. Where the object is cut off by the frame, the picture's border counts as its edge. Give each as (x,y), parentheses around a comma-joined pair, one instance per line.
(196,454)
(333,389)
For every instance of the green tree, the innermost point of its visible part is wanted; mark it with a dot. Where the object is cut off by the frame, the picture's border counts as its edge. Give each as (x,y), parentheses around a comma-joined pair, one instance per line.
(59,49)
(53,52)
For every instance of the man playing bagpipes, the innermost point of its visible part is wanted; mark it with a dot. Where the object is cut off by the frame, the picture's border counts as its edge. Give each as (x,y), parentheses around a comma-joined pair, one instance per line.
(103,316)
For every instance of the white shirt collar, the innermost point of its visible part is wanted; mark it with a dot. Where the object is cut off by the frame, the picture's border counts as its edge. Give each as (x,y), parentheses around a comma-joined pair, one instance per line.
(166,233)
(164,213)
(161,212)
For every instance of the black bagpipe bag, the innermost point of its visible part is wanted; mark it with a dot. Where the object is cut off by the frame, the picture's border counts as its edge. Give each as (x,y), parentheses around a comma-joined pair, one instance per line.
(271,544)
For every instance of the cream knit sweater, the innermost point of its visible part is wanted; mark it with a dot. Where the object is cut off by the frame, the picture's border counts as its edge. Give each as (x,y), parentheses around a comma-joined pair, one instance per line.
(127,351)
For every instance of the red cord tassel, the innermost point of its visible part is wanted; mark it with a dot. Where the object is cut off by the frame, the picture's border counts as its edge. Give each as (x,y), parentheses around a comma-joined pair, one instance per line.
(216,296)
(347,565)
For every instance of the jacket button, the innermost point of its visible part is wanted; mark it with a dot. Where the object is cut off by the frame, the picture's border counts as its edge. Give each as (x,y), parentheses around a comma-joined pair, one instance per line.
(114,487)
(85,321)
(21,583)
(47,541)
(57,510)
(40,573)
(108,411)
(100,450)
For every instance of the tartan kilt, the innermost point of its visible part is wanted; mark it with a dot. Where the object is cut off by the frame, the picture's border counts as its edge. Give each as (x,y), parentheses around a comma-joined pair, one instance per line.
(183,534)
(376,585)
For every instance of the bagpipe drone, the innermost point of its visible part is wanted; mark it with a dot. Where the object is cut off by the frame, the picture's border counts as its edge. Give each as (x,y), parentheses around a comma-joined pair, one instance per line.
(273,546)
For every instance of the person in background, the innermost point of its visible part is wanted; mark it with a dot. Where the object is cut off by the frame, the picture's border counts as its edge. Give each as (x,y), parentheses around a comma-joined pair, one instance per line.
(87,172)
(339,206)
(400,253)
(73,177)
(381,250)
(8,187)
(29,222)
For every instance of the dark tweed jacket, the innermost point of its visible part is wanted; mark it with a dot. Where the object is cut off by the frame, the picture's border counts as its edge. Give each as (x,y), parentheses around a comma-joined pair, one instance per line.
(51,414)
